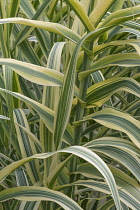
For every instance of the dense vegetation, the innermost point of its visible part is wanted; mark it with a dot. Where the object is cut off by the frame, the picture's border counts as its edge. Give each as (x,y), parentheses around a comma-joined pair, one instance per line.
(69,111)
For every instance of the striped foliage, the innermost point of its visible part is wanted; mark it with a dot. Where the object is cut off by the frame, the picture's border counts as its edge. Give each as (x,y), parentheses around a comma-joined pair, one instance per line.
(69,104)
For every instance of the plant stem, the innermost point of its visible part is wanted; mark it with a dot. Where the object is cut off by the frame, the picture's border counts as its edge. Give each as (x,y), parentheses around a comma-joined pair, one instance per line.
(82,94)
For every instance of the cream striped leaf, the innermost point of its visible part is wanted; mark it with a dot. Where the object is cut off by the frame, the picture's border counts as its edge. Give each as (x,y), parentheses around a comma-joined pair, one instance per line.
(66,97)
(34,193)
(79,151)
(102,186)
(126,158)
(114,142)
(78,8)
(45,113)
(27,147)
(135,43)
(37,74)
(118,120)
(125,60)
(49,26)
(121,16)
(103,7)
(34,73)
(99,93)
(25,31)
(124,181)
(22,180)
(131,31)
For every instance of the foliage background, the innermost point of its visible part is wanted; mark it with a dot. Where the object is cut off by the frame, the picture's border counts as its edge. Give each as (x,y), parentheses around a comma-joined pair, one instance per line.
(69,111)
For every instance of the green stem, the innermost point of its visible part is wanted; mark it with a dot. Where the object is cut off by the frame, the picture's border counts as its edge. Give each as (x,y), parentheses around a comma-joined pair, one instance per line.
(79,116)
(82,94)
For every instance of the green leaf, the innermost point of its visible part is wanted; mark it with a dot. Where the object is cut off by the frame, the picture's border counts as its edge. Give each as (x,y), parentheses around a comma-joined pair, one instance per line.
(78,8)
(126,60)
(118,120)
(13,9)
(103,7)
(121,16)
(31,135)
(132,106)
(100,92)
(27,147)
(26,49)
(135,43)
(107,205)
(80,151)
(114,142)
(49,26)
(54,174)
(33,73)
(43,37)
(34,193)
(66,97)
(102,187)
(24,32)
(51,8)
(45,113)
(126,158)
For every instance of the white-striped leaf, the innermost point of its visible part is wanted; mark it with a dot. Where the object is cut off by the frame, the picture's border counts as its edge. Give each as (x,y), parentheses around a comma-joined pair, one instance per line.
(45,113)
(135,43)
(119,121)
(124,181)
(49,26)
(34,73)
(78,8)
(27,147)
(114,142)
(34,193)
(100,92)
(102,186)
(25,31)
(125,60)
(37,74)
(121,16)
(80,151)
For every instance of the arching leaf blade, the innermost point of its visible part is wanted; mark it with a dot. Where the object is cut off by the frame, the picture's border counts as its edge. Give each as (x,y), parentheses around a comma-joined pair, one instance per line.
(79,151)
(100,92)
(24,32)
(34,193)
(34,73)
(114,142)
(135,43)
(45,113)
(49,26)
(119,121)
(125,60)
(78,8)
(102,187)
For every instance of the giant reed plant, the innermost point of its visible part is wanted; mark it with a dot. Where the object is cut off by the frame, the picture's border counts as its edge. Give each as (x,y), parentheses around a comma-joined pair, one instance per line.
(69,112)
